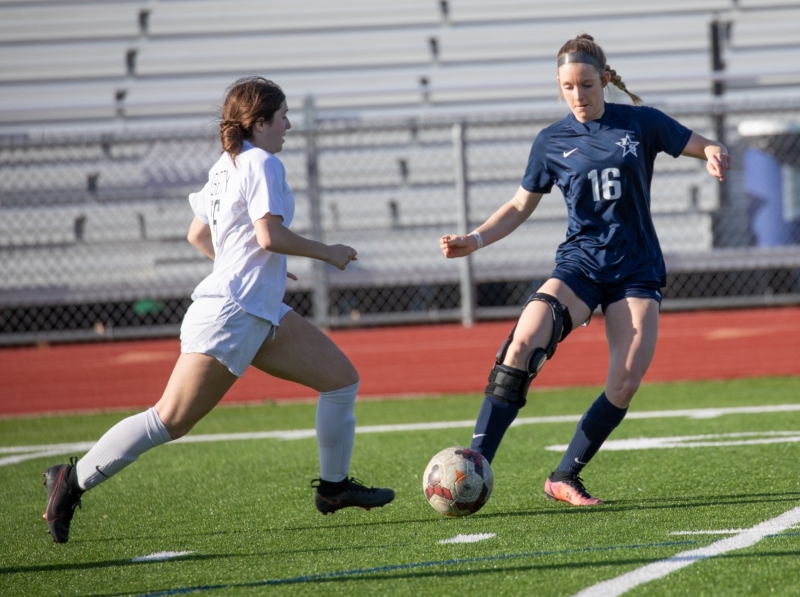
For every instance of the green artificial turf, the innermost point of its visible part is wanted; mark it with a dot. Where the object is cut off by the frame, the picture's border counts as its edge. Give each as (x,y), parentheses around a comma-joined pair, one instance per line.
(245,508)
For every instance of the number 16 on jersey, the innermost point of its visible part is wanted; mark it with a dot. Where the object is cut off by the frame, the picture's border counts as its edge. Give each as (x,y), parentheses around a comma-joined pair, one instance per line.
(610,186)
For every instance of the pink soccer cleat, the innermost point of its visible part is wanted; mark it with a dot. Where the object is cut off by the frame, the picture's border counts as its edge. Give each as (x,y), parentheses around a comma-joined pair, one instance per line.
(569,489)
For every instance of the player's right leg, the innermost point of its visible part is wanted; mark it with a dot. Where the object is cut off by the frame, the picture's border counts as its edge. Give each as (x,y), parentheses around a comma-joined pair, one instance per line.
(301,353)
(515,368)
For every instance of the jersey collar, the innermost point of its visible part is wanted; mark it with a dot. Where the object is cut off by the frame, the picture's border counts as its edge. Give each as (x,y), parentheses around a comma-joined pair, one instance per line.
(592,126)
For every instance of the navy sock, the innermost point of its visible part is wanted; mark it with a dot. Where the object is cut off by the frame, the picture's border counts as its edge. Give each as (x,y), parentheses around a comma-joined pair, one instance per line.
(594,427)
(495,417)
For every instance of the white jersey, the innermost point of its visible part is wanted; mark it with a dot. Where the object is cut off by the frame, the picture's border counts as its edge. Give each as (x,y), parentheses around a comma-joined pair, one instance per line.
(234,197)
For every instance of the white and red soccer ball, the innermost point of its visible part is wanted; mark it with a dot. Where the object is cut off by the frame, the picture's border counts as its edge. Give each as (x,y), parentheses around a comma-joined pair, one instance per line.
(457,481)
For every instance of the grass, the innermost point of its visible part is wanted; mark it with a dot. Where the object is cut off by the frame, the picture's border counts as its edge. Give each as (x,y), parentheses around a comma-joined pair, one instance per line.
(245,509)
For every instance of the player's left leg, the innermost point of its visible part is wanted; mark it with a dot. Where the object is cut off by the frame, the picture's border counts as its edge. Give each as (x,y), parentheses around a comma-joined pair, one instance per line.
(196,385)
(300,352)
(631,330)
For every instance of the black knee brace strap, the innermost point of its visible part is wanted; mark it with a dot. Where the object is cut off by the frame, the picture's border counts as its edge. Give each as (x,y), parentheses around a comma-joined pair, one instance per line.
(510,384)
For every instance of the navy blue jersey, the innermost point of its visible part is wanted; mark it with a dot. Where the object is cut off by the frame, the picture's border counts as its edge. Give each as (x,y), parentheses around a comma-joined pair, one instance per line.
(604,168)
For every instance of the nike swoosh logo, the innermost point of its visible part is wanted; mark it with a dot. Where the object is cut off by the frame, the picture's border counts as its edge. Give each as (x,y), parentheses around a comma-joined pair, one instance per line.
(474,435)
(568,153)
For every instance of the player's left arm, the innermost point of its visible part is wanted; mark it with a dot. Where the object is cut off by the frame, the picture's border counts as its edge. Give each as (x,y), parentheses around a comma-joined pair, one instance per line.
(200,236)
(705,149)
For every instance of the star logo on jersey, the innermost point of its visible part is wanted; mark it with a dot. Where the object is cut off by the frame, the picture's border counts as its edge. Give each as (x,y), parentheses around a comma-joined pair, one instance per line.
(627,145)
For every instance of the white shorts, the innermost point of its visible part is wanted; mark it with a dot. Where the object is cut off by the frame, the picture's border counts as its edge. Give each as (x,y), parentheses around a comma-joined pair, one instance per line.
(220,328)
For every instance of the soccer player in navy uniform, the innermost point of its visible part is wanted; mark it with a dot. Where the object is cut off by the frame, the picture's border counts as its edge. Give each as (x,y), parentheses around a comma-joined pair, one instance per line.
(601,157)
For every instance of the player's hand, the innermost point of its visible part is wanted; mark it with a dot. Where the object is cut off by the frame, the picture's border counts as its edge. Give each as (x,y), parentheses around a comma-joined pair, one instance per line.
(458,245)
(340,255)
(717,164)
(291,276)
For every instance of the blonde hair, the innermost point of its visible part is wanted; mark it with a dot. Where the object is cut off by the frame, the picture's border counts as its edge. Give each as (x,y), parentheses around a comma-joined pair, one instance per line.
(585,43)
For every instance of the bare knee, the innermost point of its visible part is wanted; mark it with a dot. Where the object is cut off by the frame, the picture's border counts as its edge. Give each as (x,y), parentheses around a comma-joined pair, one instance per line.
(345,375)
(517,354)
(178,424)
(349,376)
(620,391)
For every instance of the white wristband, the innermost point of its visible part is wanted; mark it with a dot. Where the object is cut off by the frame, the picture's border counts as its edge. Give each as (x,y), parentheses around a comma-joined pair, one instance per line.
(478,238)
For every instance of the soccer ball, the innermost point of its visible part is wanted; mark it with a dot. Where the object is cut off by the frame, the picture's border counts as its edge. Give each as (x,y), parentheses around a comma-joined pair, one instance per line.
(458,481)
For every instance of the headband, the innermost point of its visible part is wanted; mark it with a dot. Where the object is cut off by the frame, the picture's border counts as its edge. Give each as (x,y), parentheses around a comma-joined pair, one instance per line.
(579,57)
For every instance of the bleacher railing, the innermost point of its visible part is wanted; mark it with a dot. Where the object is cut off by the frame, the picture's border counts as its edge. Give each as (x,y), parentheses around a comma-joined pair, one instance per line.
(93,227)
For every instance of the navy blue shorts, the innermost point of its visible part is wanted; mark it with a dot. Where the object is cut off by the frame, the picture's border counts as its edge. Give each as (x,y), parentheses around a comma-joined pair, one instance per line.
(596,293)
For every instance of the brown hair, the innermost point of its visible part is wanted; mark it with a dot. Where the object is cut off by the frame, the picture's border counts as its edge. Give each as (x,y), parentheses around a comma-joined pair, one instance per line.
(585,43)
(246,101)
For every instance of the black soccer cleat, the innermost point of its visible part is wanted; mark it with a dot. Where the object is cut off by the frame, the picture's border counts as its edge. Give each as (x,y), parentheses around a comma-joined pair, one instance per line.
(354,494)
(63,496)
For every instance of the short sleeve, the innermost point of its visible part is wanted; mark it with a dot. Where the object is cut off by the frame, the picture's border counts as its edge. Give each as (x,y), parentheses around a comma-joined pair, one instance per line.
(665,133)
(265,189)
(196,200)
(537,178)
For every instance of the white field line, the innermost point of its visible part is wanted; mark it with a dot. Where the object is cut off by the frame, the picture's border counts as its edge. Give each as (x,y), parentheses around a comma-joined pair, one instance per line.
(42,451)
(719,532)
(23,453)
(161,555)
(467,538)
(695,441)
(624,583)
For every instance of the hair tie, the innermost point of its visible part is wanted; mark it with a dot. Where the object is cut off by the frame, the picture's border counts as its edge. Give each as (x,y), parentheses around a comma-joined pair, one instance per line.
(232,123)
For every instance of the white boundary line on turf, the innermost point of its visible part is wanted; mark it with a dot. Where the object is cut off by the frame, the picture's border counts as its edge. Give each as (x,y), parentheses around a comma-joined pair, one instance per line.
(474,538)
(718,532)
(622,584)
(695,441)
(23,453)
(161,556)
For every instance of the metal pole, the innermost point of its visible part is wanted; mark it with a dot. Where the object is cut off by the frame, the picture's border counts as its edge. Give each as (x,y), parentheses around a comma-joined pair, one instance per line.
(723,225)
(320,296)
(462,200)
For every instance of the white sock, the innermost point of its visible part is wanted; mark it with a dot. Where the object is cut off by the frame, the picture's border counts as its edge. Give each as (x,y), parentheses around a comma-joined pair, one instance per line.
(336,430)
(120,446)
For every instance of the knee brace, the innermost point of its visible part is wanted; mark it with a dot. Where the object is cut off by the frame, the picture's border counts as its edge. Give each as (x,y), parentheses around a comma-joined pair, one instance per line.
(510,384)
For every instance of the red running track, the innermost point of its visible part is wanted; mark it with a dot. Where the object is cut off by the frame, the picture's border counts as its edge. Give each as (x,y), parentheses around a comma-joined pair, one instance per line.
(413,360)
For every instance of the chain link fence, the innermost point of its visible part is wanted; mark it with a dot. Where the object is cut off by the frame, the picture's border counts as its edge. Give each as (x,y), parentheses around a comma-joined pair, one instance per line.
(93,227)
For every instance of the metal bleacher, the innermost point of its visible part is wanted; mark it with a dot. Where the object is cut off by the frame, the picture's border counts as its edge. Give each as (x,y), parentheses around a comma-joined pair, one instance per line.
(174,58)
(86,69)
(97,62)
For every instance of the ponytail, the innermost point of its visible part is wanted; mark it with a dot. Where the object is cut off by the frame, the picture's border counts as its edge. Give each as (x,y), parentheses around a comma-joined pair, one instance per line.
(232,136)
(246,101)
(616,80)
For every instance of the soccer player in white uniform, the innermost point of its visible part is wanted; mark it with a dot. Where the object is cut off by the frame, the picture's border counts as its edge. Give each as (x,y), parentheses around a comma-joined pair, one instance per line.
(601,157)
(237,319)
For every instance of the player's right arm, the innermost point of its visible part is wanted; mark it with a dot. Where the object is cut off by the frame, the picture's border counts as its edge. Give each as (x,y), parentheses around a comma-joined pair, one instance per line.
(200,236)
(499,225)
